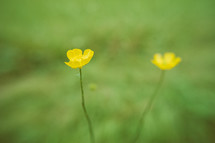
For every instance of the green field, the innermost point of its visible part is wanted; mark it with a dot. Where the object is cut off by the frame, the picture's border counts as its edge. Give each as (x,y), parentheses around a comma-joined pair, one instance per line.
(40,98)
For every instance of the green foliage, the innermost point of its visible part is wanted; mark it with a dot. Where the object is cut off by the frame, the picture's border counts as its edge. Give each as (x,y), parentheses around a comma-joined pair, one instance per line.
(40,96)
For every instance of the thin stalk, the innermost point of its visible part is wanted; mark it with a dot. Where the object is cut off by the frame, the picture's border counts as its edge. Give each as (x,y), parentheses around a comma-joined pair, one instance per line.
(148,106)
(85,111)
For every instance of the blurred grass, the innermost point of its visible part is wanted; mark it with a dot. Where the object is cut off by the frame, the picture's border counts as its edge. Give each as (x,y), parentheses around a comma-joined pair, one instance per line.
(40,96)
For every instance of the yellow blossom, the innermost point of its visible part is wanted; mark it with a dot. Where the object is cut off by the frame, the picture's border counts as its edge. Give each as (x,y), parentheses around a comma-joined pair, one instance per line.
(166,62)
(77,59)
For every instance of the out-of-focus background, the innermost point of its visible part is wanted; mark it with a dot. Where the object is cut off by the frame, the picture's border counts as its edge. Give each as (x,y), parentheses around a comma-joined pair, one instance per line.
(40,96)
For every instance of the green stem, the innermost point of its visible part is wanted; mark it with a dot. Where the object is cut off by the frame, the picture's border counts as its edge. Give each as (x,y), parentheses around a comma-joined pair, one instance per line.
(148,107)
(85,111)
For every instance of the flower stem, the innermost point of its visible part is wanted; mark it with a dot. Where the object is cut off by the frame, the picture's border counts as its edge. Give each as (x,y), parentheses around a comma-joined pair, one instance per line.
(85,110)
(148,106)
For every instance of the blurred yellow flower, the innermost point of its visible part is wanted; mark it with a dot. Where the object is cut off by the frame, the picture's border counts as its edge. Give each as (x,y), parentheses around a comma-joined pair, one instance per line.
(93,86)
(77,60)
(166,62)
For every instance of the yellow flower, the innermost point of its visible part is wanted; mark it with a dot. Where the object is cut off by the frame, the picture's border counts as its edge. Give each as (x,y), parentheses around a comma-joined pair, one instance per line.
(77,60)
(166,62)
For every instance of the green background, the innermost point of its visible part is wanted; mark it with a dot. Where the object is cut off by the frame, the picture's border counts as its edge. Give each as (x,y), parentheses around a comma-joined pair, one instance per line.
(40,98)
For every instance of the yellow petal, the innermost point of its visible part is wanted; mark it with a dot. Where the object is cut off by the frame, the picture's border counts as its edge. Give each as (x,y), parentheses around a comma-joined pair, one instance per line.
(158,58)
(167,62)
(168,67)
(173,63)
(169,57)
(87,56)
(74,53)
(155,62)
(75,63)
(163,67)
(67,63)
(177,60)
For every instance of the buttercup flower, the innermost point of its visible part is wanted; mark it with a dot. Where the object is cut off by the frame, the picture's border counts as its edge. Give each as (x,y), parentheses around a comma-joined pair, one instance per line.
(166,62)
(77,60)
